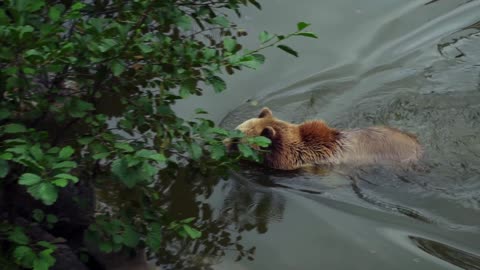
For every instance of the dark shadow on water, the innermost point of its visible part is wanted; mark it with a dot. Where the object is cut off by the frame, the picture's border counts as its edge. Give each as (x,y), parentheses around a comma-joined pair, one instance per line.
(303,180)
(193,192)
(455,256)
(435,1)
(391,207)
(359,180)
(364,183)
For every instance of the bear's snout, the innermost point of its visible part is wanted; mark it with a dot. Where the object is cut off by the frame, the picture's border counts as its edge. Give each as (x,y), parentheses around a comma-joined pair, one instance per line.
(231,144)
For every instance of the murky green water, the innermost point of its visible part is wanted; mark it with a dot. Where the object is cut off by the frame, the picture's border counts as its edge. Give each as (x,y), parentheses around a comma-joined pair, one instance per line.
(414,65)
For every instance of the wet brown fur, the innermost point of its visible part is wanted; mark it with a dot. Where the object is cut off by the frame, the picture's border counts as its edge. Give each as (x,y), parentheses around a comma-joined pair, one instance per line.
(314,142)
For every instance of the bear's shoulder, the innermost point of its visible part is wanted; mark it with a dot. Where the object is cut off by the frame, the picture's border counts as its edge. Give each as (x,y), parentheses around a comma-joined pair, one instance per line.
(317,131)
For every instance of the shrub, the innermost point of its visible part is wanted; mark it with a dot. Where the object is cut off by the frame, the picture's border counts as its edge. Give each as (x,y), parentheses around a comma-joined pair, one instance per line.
(87,89)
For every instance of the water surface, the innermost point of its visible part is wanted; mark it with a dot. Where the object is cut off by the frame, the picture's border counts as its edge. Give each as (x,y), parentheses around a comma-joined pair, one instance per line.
(411,64)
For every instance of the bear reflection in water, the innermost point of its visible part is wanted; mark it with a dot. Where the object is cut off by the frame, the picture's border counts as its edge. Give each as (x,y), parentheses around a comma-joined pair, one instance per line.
(313,143)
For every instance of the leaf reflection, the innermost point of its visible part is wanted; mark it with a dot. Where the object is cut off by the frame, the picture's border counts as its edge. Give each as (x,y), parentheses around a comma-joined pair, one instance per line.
(240,207)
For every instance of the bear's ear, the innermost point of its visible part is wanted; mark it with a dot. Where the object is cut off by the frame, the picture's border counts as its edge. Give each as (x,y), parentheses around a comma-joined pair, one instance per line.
(269,132)
(265,112)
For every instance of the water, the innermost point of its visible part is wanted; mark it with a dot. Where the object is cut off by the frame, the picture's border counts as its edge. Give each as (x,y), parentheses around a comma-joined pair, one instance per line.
(413,65)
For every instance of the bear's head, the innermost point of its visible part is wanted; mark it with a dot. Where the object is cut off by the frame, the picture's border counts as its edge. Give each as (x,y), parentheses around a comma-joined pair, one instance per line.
(266,125)
(292,144)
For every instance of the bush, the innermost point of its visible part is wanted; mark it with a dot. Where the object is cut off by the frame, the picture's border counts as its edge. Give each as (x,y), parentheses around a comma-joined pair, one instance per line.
(87,89)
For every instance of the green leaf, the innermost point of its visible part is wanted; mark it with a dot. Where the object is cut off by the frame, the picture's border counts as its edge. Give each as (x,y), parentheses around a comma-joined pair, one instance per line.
(265,37)
(65,164)
(33,52)
(100,155)
(66,152)
(302,25)
(117,67)
(131,176)
(118,169)
(35,5)
(16,141)
(29,70)
(191,232)
(36,152)
(261,141)
(217,83)
(55,12)
(4,168)
(20,149)
(132,160)
(200,111)
(28,162)
(148,171)
(6,156)
(18,236)
(77,6)
(218,130)
(252,61)
(14,128)
(107,44)
(105,246)
(188,220)
(53,150)
(24,256)
(307,34)
(184,22)
(245,150)
(46,244)
(150,154)
(229,44)
(46,192)
(124,146)
(79,108)
(130,237)
(60,182)
(4,113)
(67,176)
(25,29)
(222,21)
(117,239)
(145,48)
(28,179)
(260,58)
(4,19)
(38,215)
(256,4)
(187,88)
(85,140)
(236,134)
(288,50)
(196,151)
(44,260)
(217,151)
(52,219)
(154,237)
(209,53)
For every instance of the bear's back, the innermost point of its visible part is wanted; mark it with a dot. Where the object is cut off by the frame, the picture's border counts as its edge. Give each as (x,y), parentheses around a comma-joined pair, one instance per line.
(378,145)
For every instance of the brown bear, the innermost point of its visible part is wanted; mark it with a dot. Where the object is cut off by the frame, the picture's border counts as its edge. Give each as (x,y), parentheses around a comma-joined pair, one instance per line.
(315,143)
